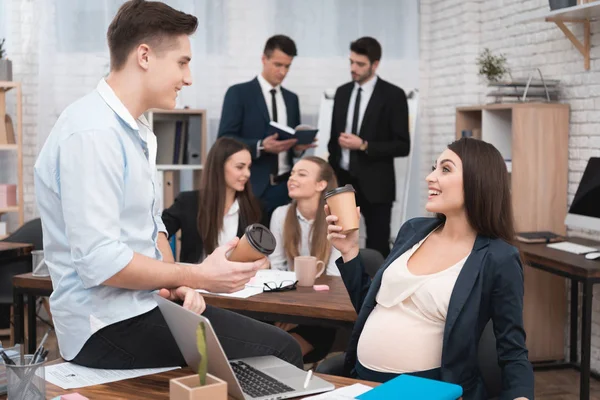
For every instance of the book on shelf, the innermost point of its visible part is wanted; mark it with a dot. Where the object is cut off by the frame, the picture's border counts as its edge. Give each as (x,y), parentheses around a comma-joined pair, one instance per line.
(304,133)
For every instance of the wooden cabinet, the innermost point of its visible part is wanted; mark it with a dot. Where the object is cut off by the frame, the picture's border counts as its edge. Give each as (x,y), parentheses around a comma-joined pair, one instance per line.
(11,142)
(533,138)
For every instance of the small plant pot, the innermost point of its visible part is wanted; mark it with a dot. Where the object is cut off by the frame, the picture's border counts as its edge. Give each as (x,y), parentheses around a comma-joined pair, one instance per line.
(188,388)
(5,70)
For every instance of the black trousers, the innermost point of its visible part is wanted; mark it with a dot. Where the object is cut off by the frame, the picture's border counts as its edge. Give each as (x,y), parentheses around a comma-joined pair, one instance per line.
(145,341)
(377,215)
(273,197)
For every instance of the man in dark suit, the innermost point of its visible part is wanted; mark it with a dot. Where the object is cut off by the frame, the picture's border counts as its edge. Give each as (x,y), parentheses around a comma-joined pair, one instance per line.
(248,109)
(369,129)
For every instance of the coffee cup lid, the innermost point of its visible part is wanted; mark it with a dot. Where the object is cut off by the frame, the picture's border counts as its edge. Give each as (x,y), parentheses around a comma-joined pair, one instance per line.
(343,189)
(261,238)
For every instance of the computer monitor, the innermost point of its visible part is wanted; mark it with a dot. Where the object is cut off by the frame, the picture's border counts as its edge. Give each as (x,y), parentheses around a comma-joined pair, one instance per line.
(585,210)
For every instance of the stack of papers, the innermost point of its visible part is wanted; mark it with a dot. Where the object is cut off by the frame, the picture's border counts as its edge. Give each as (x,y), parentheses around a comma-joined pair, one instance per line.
(271,275)
(73,376)
(345,393)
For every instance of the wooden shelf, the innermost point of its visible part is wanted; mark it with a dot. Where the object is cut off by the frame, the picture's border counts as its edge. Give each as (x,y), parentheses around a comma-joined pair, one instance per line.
(580,14)
(9,147)
(530,134)
(5,86)
(10,209)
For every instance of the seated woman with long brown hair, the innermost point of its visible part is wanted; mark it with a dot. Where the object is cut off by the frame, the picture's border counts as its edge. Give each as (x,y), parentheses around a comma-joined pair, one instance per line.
(223,206)
(446,277)
(300,229)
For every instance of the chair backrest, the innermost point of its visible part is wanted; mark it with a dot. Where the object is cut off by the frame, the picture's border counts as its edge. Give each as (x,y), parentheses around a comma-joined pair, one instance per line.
(372,260)
(30,232)
(488,362)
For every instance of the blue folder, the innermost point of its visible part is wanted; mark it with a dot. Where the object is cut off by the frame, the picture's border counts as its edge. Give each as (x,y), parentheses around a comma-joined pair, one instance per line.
(412,387)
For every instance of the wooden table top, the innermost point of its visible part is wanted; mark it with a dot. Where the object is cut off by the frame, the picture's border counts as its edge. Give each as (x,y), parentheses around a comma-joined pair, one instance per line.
(9,250)
(157,387)
(304,301)
(333,304)
(574,264)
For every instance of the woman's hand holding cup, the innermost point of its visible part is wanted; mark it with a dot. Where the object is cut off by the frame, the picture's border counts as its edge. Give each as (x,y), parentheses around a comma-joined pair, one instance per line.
(347,244)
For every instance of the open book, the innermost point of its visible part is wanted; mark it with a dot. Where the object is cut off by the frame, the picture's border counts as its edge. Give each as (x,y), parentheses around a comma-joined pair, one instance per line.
(304,133)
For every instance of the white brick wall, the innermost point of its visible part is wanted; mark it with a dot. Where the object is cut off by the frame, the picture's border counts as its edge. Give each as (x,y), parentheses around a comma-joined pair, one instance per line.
(51,79)
(453,32)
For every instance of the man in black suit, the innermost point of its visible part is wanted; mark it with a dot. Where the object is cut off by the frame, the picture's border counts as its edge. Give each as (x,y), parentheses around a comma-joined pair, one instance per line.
(369,129)
(248,109)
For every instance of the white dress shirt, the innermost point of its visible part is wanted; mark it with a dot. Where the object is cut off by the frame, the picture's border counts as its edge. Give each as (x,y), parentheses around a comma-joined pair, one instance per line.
(231,221)
(284,165)
(365,96)
(95,190)
(279,259)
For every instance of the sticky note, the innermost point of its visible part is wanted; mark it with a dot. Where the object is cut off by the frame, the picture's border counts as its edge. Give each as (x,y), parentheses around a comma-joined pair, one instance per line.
(321,288)
(73,396)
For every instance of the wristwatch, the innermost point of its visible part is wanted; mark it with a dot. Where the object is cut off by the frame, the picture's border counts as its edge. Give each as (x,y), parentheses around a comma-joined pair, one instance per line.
(364,146)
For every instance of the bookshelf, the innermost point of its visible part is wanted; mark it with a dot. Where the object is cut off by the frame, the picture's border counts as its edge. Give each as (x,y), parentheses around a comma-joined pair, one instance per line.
(11,142)
(181,141)
(533,138)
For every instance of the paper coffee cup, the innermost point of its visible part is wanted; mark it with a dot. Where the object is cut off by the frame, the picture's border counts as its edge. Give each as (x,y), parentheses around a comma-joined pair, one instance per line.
(342,203)
(257,242)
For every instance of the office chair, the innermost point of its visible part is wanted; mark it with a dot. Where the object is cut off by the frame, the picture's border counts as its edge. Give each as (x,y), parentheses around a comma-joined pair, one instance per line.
(30,232)
(486,354)
(372,260)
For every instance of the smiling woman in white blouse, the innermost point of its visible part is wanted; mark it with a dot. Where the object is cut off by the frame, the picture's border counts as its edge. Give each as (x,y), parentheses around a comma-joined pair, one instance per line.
(300,229)
(221,209)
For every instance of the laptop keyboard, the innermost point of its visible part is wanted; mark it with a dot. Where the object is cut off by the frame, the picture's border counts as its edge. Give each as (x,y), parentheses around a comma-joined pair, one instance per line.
(256,383)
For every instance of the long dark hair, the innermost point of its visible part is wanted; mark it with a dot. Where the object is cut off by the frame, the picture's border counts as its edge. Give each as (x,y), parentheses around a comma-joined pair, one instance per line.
(211,207)
(319,245)
(486,189)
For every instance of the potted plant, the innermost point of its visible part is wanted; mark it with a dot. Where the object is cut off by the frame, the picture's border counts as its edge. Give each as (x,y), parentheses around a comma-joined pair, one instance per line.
(491,66)
(5,64)
(202,386)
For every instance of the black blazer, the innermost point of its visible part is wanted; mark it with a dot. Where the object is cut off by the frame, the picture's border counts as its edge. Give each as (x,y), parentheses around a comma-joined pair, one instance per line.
(490,285)
(245,117)
(385,127)
(183,214)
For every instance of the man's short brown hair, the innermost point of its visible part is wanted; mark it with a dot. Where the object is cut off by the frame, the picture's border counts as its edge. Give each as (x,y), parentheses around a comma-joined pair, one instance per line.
(139,21)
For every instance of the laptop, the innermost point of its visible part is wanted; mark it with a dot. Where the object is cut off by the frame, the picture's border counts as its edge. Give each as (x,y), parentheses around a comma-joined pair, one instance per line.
(253,378)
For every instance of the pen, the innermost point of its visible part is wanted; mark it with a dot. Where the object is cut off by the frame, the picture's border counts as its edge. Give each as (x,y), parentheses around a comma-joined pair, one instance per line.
(40,347)
(307,380)
(6,359)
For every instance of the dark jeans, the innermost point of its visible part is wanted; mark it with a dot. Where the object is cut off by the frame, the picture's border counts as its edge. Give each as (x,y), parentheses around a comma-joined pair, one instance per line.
(377,216)
(367,374)
(145,341)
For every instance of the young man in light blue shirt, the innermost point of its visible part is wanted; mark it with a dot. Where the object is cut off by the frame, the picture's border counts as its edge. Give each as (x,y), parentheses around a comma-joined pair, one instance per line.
(104,241)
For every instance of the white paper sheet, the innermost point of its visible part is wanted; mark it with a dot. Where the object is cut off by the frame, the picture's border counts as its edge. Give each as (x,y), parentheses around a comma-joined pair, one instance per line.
(248,291)
(72,376)
(271,275)
(345,393)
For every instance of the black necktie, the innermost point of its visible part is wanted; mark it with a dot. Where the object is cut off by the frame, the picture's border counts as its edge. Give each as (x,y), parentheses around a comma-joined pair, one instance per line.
(356,112)
(274,104)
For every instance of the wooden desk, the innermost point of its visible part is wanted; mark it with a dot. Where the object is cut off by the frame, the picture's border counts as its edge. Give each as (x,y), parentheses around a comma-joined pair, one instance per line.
(579,270)
(303,305)
(157,387)
(10,251)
